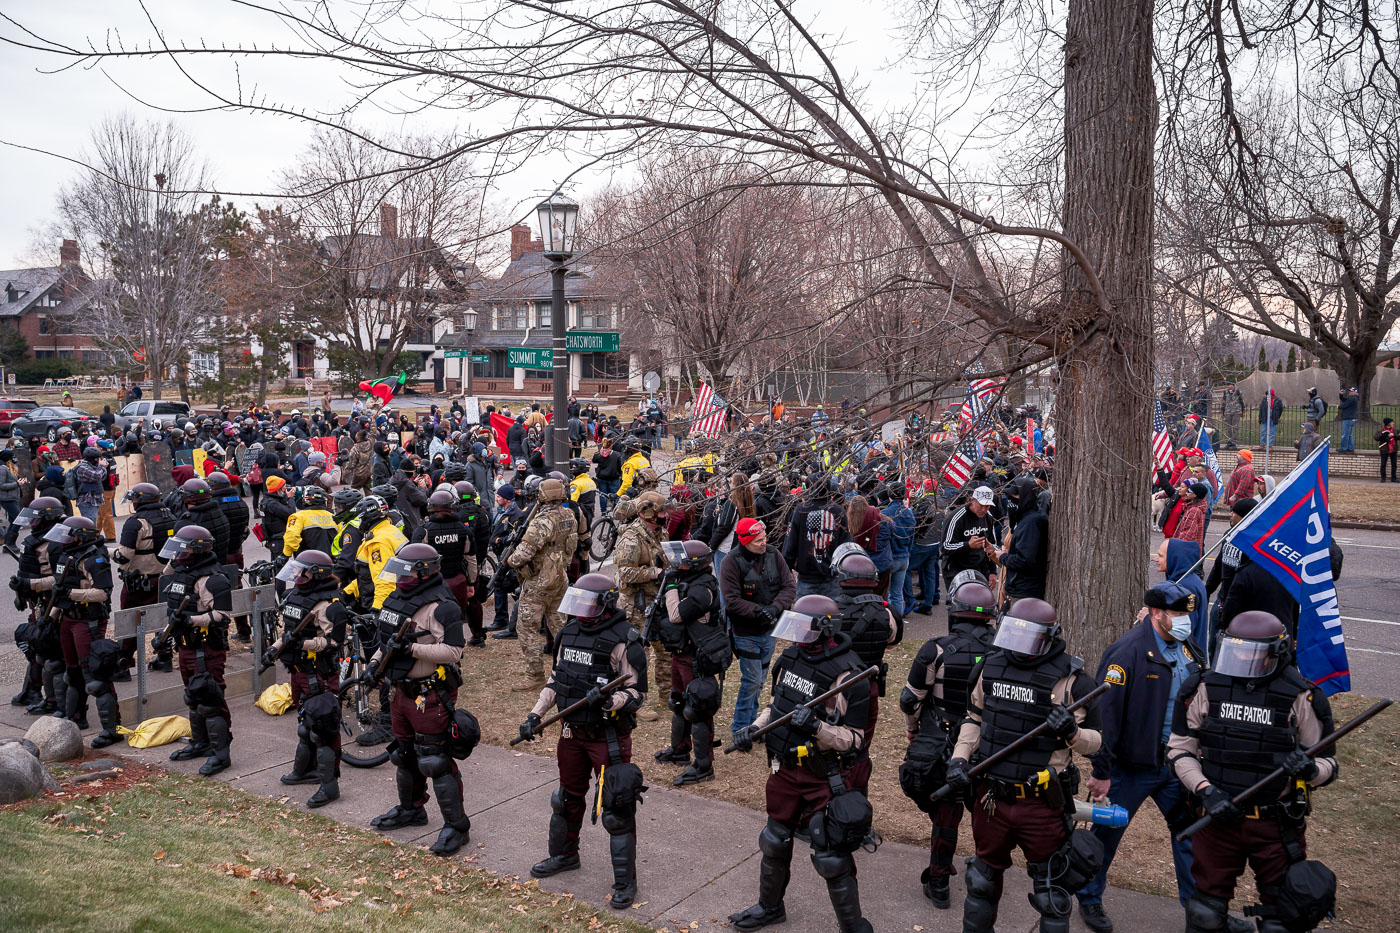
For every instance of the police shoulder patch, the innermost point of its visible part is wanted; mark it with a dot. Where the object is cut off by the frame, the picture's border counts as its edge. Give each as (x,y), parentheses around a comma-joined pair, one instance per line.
(1115,675)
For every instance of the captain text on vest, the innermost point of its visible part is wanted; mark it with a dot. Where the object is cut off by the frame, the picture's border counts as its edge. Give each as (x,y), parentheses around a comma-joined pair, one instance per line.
(1252,713)
(1146,668)
(1027,679)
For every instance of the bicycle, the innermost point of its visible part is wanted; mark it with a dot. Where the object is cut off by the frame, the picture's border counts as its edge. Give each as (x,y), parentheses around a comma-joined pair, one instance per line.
(604,537)
(359,711)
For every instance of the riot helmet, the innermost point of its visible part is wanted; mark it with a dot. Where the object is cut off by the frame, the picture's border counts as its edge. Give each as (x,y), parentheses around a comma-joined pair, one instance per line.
(1254,644)
(811,618)
(1029,629)
(855,570)
(188,545)
(591,599)
(412,565)
(46,510)
(309,570)
(74,532)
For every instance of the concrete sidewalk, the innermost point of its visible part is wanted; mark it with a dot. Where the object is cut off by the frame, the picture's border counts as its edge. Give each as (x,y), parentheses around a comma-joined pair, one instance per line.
(697,857)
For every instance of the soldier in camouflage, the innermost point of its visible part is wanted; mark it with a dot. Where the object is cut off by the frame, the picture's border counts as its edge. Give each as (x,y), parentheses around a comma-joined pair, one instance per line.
(542,561)
(646,480)
(639,566)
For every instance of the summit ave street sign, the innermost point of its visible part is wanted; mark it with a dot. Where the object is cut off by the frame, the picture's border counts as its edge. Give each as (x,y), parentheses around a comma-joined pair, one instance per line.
(529,358)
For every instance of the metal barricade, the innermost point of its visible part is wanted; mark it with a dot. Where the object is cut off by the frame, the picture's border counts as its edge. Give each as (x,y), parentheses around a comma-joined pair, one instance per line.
(251,603)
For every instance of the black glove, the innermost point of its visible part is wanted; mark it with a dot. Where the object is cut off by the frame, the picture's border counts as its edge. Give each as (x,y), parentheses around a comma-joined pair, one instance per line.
(530,728)
(1219,805)
(596,697)
(1062,724)
(292,643)
(269,658)
(1299,766)
(15,584)
(804,721)
(769,615)
(743,739)
(957,777)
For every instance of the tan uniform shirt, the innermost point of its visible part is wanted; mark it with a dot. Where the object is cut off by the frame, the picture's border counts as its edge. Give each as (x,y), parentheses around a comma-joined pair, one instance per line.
(1086,742)
(829,738)
(629,691)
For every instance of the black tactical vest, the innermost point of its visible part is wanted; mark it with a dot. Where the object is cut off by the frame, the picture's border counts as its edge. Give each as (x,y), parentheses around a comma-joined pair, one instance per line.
(760,580)
(211,517)
(235,512)
(963,648)
(181,583)
(296,607)
(583,660)
(162,525)
(1248,729)
(398,608)
(800,677)
(867,621)
(1016,699)
(449,538)
(34,557)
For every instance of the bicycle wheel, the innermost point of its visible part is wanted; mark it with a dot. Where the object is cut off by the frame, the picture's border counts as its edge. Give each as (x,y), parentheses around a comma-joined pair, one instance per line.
(604,538)
(485,572)
(359,713)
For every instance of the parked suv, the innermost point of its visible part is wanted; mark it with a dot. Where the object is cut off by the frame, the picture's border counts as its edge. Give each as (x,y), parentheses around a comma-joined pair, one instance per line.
(168,412)
(12,408)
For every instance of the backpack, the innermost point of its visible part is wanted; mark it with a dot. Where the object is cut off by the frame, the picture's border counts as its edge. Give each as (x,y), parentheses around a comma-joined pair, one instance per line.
(70,485)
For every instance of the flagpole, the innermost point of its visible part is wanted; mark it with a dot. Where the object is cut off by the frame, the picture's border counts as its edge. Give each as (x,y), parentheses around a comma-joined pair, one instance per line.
(1269,428)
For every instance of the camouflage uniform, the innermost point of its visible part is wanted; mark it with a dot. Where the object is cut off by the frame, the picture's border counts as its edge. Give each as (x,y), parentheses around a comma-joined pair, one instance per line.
(639,567)
(542,560)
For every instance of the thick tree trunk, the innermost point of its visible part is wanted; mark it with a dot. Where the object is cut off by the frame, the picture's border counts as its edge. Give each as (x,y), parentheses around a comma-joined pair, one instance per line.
(1359,372)
(1099,540)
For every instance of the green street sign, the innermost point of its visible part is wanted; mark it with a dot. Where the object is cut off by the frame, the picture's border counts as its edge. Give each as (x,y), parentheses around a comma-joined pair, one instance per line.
(593,341)
(529,358)
(455,354)
(481,357)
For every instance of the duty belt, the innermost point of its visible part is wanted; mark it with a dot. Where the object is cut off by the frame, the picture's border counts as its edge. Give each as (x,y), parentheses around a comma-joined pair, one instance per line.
(415,687)
(818,761)
(1044,785)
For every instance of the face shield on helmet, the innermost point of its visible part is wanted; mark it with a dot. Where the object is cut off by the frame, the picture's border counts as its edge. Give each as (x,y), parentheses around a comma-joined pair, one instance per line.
(581,603)
(291,570)
(1024,636)
(1246,658)
(59,534)
(175,547)
(674,552)
(30,517)
(397,569)
(797,627)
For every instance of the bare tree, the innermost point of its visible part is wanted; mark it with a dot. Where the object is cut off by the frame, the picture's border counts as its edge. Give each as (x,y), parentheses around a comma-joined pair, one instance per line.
(146,237)
(386,240)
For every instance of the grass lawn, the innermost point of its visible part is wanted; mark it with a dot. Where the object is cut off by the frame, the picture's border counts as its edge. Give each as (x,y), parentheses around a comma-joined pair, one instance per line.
(177,854)
(1355,827)
(1364,500)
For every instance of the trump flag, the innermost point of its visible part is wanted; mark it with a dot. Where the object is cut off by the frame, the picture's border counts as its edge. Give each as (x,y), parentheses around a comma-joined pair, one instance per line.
(1289,534)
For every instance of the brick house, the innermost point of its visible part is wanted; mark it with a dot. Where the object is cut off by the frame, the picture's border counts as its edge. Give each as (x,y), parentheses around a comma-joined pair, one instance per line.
(44,302)
(515,311)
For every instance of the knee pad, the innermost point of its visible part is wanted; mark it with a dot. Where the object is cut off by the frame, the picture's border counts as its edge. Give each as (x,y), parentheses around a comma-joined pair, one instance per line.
(702,699)
(1204,912)
(676,702)
(559,800)
(831,865)
(433,760)
(1047,900)
(775,841)
(304,730)
(620,822)
(401,755)
(982,880)
(207,712)
(53,667)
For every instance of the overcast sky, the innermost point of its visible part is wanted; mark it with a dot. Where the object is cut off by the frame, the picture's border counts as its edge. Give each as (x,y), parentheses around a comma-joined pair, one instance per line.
(56,111)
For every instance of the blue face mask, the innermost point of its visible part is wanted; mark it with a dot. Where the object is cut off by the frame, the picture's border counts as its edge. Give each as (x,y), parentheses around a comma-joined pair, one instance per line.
(1181,627)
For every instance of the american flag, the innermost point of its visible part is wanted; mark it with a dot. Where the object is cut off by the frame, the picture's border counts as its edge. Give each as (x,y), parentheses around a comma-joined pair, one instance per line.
(980,393)
(959,465)
(1161,440)
(1030,435)
(707,414)
(1212,462)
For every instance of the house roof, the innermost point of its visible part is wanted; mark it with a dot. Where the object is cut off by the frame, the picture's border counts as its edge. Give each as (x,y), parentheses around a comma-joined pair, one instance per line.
(31,284)
(528,278)
(380,260)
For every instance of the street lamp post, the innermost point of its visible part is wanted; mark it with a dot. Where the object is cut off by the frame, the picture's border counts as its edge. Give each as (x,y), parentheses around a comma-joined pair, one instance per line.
(558,219)
(469,318)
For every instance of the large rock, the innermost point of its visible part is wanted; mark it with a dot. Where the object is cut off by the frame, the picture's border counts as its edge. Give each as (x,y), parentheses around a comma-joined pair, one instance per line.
(56,739)
(21,775)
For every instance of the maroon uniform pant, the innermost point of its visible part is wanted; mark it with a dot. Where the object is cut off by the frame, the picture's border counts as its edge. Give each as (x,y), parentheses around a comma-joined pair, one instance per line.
(407,720)
(301,689)
(1032,824)
(214,660)
(579,759)
(75,637)
(792,795)
(1220,852)
(943,842)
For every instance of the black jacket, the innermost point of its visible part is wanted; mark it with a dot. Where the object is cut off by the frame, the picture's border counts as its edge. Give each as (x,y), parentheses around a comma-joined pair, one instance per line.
(812,537)
(609,465)
(1131,714)
(1029,556)
(743,614)
(1255,588)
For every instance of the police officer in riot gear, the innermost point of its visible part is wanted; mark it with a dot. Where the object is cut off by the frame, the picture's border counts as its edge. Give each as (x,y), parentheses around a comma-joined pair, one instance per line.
(594,648)
(82,588)
(198,507)
(1024,799)
(1250,713)
(200,600)
(866,617)
(693,633)
(143,534)
(934,702)
(816,759)
(36,560)
(420,626)
(453,541)
(474,515)
(313,631)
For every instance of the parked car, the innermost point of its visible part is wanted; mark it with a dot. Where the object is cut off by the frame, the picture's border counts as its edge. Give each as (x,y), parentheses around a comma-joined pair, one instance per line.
(146,409)
(12,408)
(45,422)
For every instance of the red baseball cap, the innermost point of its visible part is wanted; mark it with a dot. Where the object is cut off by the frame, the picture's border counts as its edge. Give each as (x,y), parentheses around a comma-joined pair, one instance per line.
(748,529)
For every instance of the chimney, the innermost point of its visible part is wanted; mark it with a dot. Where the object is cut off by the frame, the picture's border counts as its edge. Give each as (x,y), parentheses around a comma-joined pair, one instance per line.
(389,221)
(519,241)
(68,254)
